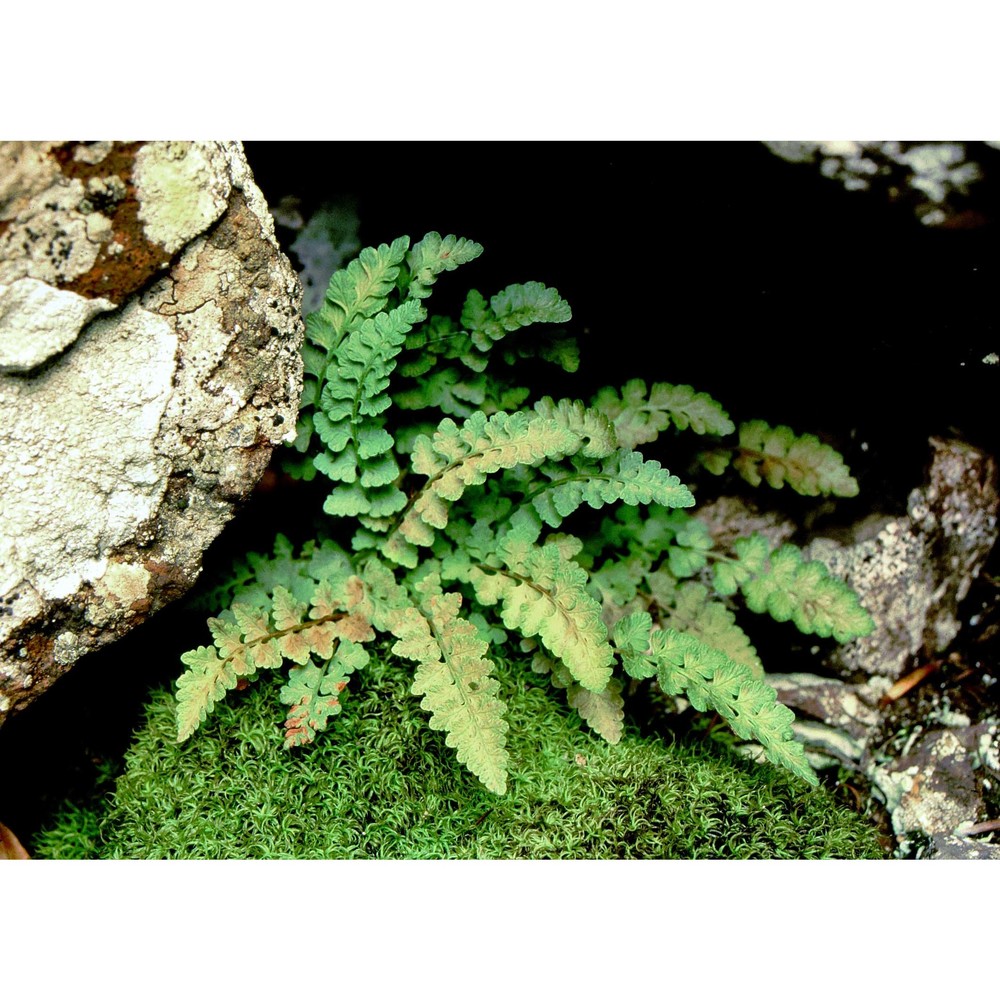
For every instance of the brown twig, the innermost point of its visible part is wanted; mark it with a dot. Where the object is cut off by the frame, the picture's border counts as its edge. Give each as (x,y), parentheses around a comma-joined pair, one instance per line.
(907,683)
(987,826)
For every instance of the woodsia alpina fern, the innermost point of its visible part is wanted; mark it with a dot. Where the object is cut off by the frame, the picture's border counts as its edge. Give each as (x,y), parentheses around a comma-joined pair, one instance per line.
(457,494)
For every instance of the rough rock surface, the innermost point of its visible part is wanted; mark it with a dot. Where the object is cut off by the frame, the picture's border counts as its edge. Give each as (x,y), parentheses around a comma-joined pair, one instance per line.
(149,363)
(912,572)
(934,785)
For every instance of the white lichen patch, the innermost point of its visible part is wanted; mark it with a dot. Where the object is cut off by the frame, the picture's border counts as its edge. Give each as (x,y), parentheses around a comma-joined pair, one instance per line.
(816,735)
(50,244)
(988,749)
(80,472)
(92,152)
(68,647)
(932,787)
(914,572)
(182,188)
(27,168)
(121,586)
(38,321)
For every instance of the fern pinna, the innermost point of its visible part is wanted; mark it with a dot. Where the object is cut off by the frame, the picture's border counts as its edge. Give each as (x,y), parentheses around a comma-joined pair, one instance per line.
(455,495)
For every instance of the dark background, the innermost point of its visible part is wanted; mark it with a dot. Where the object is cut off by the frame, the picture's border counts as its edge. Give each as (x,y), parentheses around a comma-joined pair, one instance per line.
(713,263)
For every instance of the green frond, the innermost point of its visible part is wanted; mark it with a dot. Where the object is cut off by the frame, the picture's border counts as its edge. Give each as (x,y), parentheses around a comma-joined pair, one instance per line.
(777,455)
(711,681)
(806,594)
(515,307)
(639,417)
(460,456)
(696,613)
(351,422)
(624,476)
(314,692)
(357,292)
(596,434)
(454,676)
(432,255)
(788,588)
(545,594)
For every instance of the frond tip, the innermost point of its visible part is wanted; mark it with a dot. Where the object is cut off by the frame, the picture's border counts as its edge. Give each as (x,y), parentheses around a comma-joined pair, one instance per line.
(710,680)
(777,455)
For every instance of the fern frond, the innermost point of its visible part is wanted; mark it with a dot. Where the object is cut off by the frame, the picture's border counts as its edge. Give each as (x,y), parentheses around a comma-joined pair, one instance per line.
(350,422)
(432,255)
(788,588)
(805,593)
(545,594)
(515,307)
(313,692)
(775,454)
(710,680)
(639,417)
(460,456)
(695,613)
(624,476)
(454,677)
(248,639)
(357,292)
(596,434)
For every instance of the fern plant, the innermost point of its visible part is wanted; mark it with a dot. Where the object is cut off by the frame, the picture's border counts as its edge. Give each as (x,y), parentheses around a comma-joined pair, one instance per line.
(455,496)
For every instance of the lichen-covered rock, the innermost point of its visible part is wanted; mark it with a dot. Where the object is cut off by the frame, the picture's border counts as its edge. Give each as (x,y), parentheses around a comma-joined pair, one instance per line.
(945,848)
(912,572)
(936,785)
(149,363)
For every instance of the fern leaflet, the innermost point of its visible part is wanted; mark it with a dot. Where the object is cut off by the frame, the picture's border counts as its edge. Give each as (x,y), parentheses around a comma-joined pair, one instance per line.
(775,454)
(431,256)
(453,675)
(639,417)
(788,588)
(544,593)
(313,692)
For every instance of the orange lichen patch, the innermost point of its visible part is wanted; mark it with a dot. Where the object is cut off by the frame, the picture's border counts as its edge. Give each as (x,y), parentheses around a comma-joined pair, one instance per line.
(126,260)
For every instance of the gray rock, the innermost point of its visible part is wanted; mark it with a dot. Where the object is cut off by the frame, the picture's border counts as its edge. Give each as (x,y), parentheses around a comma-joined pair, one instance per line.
(944,848)
(913,573)
(853,709)
(149,363)
(936,784)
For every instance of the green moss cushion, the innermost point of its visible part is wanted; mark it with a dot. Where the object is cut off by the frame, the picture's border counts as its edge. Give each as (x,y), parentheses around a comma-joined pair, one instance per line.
(381,784)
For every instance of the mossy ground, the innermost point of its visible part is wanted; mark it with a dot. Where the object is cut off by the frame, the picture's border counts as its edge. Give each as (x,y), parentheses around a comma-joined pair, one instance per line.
(381,784)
